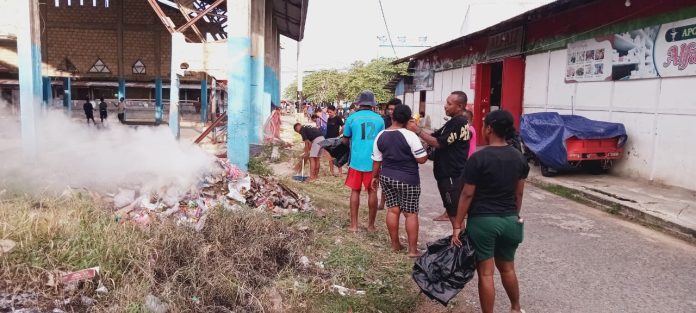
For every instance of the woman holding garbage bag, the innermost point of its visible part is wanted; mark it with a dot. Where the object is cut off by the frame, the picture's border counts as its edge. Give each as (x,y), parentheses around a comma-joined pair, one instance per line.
(396,154)
(491,198)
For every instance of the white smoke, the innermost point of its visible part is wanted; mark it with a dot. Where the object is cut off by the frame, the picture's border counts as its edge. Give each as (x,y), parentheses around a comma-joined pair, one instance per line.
(70,153)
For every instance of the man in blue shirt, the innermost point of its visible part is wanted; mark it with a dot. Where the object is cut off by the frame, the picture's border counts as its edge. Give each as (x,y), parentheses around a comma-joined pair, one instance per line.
(360,130)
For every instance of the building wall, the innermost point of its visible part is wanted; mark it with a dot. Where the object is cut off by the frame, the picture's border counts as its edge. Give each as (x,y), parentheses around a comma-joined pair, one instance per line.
(657,114)
(444,83)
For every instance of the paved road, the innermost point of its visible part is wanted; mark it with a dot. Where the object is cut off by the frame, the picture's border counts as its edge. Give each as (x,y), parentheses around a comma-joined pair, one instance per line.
(578,259)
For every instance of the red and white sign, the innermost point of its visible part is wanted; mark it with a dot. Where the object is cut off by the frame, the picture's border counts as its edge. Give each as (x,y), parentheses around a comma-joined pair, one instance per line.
(675,49)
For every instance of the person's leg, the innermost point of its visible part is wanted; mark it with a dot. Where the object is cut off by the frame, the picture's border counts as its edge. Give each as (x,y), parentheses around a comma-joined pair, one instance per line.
(372,207)
(354,207)
(412,233)
(393,215)
(312,168)
(380,206)
(486,289)
(509,279)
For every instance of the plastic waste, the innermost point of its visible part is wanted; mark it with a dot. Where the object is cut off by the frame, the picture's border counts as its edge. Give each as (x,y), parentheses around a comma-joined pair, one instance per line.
(443,270)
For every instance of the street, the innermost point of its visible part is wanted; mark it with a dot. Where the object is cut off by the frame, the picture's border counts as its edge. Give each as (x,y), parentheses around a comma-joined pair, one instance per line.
(575,258)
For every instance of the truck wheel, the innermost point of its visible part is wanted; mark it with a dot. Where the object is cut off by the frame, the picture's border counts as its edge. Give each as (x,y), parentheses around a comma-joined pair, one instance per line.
(546,171)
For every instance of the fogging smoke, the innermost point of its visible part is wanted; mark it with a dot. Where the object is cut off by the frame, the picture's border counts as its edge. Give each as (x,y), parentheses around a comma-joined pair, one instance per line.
(76,155)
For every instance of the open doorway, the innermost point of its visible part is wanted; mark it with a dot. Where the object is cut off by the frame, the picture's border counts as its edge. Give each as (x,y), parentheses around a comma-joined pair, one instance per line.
(496,85)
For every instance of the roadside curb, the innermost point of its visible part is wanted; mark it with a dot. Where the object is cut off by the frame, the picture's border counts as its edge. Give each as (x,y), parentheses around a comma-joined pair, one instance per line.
(614,206)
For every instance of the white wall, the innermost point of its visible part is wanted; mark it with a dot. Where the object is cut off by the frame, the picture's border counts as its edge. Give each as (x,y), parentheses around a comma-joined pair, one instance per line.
(446,82)
(657,114)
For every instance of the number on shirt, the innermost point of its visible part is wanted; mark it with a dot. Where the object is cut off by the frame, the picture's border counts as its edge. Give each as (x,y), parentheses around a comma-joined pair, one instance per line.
(369,130)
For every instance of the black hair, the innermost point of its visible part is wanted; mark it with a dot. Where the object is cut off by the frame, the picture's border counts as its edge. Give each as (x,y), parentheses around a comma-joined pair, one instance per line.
(502,123)
(101,99)
(122,99)
(467,112)
(331,107)
(394,101)
(462,99)
(402,113)
(294,127)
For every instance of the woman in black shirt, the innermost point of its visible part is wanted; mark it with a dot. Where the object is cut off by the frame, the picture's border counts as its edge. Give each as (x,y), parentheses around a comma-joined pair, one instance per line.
(492,197)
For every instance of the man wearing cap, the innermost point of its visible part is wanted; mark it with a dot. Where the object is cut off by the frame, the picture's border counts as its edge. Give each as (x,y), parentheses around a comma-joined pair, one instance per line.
(360,130)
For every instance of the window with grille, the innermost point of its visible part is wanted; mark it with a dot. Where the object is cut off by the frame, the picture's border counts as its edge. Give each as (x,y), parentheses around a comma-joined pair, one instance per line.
(99,67)
(139,67)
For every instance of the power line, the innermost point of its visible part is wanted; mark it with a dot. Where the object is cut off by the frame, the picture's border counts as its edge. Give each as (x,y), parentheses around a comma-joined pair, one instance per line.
(387,27)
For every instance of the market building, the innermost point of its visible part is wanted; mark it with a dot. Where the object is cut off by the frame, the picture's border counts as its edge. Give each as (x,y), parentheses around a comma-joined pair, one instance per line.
(626,61)
(164,56)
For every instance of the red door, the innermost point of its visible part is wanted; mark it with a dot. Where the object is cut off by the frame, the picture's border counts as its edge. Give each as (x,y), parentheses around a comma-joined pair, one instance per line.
(513,87)
(482,99)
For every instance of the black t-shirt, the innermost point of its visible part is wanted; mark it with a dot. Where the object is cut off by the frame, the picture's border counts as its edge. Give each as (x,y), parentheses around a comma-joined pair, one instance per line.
(88,108)
(495,171)
(102,106)
(309,133)
(333,125)
(387,122)
(450,159)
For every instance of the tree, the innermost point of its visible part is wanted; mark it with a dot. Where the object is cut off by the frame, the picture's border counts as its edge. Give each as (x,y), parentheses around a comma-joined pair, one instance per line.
(333,85)
(290,92)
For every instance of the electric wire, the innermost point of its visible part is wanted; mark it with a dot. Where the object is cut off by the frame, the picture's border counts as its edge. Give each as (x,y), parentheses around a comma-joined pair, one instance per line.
(391,43)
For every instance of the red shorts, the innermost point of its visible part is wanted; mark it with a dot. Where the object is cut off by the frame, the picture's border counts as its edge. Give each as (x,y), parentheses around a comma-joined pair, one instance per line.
(356,178)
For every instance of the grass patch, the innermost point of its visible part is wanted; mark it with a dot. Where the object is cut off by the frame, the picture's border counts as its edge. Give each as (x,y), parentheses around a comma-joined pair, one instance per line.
(258,167)
(614,208)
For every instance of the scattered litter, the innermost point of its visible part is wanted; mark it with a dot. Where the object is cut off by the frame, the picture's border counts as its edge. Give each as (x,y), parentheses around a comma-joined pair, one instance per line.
(155,305)
(7,245)
(304,261)
(82,275)
(87,301)
(124,197)
(101,289)
(347,291)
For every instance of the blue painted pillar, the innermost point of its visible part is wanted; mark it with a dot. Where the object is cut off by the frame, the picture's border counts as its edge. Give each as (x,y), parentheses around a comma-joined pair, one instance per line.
(159,109)
(258,25)
(29,61)
(121,88)
(67,95)
(238,82)
(47,92)
(204,100)
(178,43)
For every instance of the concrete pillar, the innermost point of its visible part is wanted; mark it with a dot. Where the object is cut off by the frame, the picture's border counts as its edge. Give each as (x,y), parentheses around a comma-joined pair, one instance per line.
(178,43)
(213,98)
(268,59)
(204,100)
(238,82)
(29,61)
(258,23)
(299,75)
(121,88)
(159,109)
(67,95)
(47,92)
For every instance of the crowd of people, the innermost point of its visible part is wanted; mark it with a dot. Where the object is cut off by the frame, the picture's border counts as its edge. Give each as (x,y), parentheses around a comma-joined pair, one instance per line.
(481,191)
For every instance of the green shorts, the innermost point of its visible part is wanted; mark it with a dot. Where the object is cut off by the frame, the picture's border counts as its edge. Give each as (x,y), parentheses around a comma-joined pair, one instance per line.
(495,236)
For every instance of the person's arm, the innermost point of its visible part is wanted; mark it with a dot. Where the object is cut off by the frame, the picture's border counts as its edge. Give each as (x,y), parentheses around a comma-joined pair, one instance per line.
(307,148)
(416,146)
(429,139)
(376,168)
(519,192)
(462,210)
(347,132)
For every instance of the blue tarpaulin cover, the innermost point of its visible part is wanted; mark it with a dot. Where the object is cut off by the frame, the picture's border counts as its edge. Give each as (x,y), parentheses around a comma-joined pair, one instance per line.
(545,134)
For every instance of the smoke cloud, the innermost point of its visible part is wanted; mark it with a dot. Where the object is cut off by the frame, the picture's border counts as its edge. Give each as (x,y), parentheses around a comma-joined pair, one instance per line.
(73,154)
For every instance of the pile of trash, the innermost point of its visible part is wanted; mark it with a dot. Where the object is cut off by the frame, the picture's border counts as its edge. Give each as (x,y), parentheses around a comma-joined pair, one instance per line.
(226,187)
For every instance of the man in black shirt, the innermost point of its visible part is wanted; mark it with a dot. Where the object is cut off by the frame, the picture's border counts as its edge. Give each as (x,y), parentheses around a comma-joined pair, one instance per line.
(312,137)
(451,143)
(102,110)
(334,128)
(89,111)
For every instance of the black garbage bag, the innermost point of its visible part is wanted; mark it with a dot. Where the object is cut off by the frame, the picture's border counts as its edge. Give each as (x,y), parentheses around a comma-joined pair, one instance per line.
(443,270)
(337,149)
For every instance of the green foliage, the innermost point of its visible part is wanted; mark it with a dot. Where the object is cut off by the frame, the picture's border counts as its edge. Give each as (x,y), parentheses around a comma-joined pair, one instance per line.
(333,85)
